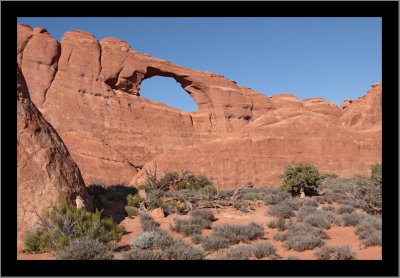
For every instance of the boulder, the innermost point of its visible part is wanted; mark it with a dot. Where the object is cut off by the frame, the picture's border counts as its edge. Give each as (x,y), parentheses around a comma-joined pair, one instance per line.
(46,173)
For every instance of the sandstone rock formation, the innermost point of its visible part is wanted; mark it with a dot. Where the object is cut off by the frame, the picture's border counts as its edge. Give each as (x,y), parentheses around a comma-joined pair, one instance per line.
(45,171)
(89,91)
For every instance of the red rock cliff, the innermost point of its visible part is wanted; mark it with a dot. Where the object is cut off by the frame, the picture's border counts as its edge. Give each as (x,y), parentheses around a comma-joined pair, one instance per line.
(89,90)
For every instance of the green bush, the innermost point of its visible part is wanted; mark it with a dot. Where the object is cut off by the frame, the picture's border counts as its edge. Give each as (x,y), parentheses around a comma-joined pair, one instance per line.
(175,181)
(301,178)
(171,207)
(133,200)
(36,241)
(369,190)
(63,223)
(293,258)
(131,211)
(85,249)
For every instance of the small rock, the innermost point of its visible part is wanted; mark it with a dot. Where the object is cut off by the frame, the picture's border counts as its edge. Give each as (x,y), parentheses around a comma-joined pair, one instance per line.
(157,213)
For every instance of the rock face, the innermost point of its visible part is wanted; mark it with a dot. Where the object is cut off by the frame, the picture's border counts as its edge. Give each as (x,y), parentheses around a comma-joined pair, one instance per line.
(45,171)
(89,90)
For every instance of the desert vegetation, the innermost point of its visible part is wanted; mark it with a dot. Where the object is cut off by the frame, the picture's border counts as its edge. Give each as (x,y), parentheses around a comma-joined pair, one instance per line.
(71,231)
(298,217)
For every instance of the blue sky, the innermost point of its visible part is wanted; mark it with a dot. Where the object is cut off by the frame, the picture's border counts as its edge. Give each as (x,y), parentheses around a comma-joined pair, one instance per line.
(333,58)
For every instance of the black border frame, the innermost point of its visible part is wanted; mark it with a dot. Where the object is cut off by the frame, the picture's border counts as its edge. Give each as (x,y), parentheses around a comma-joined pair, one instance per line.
(388,10)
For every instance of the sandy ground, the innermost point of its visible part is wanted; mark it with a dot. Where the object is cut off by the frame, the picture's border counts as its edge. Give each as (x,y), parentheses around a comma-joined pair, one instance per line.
(339,235)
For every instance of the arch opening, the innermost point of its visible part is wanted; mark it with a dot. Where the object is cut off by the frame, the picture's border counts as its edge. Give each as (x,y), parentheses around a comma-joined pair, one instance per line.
(167,91)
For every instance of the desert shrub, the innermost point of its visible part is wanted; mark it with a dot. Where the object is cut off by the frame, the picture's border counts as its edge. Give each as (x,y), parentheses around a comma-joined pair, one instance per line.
(209,189)
(311,203)
(171,207)
(262,250)
(85,249)
(320,199)
(186,227)
(36,241)
(304,212)
(213,243)
(327,176)
(369,231)
(175,181)
(292,203)
(131,211)
(152,240)
(268,189)
(200,219)
(63,223)
(241,252)
(204,214)
(197,238)
(139,254)
(154,199)
(329,208)
(345,209)
(281,210)
(303,242)
(334,253)
(236,233)
(252,196)
(133,200)
(279,224)
(148,223)
(182,251)
(301,229)
(240,206)
(275,198)
(321,219)
(369,190)
(293,258)
(351,219)
(203,223)
(301,178)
